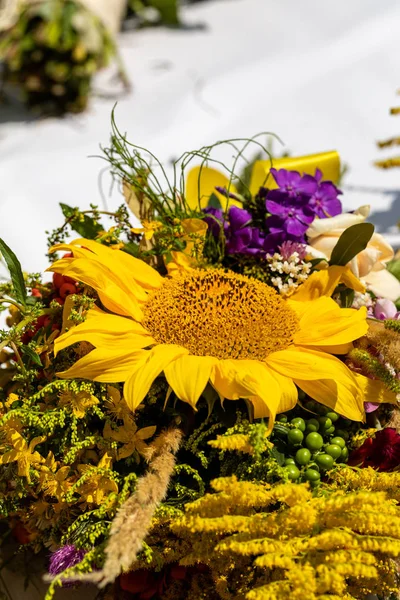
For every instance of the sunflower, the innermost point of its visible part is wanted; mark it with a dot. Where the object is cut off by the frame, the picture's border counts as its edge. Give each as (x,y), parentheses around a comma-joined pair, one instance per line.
(213,327)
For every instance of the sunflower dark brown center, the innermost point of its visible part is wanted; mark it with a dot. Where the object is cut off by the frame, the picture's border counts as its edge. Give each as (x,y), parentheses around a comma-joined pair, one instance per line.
(221,314)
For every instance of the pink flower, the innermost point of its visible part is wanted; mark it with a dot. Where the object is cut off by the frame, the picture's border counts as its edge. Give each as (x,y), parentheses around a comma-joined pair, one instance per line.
(385,309)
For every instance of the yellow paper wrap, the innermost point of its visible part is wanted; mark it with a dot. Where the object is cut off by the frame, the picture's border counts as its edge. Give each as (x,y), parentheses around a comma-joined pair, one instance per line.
(328,162)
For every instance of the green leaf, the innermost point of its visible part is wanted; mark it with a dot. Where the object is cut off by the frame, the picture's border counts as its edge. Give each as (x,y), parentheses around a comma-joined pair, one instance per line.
(278,428)
(210,396)
(86,226)
(278,456)
(316,261)
(214,202)
(132,249)
(347,298)
(32,355)
(243,183)
(352,241)
(15,270)
(394,268)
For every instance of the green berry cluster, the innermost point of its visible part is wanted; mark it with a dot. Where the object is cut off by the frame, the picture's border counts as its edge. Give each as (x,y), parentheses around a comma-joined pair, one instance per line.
(312,443)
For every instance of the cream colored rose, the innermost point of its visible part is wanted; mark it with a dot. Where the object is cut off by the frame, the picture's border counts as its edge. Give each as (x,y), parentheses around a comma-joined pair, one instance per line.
(369,265)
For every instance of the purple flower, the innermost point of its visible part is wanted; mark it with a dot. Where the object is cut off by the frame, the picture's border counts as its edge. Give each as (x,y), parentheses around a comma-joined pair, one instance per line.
(385,309)
(324,201)
(215,220)
(224,192)
(241,237)
(292,184)
(64,558)
(298,200)
(291,215)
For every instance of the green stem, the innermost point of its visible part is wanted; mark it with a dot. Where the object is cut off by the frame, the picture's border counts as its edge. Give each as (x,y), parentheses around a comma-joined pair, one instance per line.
(19,359)
(13,302)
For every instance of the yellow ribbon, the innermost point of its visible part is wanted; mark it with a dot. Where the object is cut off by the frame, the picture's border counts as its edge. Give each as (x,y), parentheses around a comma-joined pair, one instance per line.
(200,185)
(328,162)
(201,182)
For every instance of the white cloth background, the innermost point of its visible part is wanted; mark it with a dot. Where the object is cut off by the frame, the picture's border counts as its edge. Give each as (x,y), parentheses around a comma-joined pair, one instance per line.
(322,75)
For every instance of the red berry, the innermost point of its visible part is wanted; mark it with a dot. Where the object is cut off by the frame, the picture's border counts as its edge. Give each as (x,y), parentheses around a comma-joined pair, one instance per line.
(36,293)
(21,534)
(178,572)
(69,280)
(66,289)
(42,321)
(58,280)
(134,582)
(26,337)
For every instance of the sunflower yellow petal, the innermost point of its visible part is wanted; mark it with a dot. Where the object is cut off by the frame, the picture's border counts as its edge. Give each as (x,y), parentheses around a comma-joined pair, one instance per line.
(375,391)
(113,294)
(351,281)
(105,330)
(125,266)
(318,373)
(324,323)
(265,389)
(180,262)
(189,375)
(250,379)
(200,185)
(105,365)
(156,360)
(304,363)
(289,394)
(335,395)
(224,379)
(324,282)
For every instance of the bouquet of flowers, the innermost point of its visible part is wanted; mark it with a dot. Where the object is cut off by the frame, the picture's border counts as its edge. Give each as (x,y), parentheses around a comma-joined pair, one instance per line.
(51,49)
(206,405)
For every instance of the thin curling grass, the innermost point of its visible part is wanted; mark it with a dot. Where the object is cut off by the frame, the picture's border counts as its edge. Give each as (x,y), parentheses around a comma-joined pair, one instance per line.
(51,54)
(144,175)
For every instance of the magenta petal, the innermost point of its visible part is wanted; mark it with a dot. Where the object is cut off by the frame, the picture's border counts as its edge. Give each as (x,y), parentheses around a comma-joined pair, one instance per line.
(238,217)
(370,407)
(276,209)
(295,227)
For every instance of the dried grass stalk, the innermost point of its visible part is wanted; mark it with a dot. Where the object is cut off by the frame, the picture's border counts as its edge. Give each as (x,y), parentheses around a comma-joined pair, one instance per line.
(133,520)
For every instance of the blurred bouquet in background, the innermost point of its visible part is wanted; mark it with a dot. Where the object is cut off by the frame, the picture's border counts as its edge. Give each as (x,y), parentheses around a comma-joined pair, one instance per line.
(51,49)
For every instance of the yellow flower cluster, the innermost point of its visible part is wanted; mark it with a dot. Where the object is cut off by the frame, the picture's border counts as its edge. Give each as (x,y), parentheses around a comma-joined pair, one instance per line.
(49,458)
(336,545)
